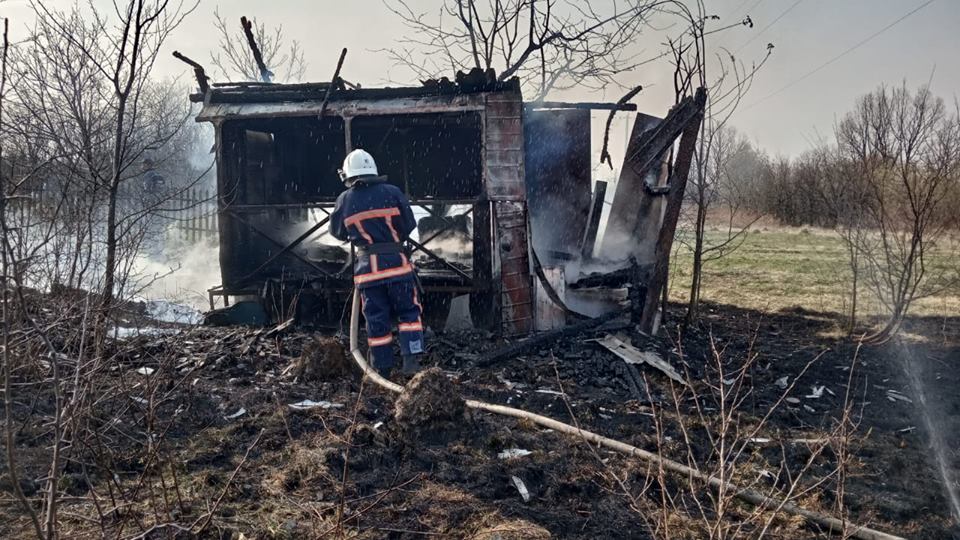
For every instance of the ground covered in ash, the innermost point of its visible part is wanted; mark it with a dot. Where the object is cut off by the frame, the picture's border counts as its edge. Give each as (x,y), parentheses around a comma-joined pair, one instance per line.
(273,433)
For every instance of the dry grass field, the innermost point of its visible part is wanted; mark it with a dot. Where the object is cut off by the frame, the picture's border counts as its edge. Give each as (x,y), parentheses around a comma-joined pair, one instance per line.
(780,268)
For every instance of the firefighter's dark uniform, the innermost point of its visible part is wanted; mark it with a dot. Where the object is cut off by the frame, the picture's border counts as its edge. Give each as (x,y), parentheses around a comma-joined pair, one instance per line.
(376,217)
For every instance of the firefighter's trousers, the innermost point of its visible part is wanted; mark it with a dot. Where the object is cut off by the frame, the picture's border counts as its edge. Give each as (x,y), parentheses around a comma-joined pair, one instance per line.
(384,304)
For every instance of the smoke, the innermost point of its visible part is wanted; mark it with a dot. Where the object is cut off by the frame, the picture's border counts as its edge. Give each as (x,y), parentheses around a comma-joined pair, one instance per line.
(181,271)
(202,151)
(452,247)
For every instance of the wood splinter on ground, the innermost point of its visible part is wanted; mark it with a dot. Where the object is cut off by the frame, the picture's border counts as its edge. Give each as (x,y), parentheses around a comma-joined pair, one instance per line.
(633,355)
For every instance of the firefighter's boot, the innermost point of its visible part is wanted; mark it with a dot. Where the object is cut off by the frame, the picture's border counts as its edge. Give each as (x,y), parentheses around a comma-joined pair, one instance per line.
(411,364)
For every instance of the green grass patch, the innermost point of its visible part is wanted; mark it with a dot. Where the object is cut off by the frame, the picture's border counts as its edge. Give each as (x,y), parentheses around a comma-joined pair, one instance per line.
(779,268)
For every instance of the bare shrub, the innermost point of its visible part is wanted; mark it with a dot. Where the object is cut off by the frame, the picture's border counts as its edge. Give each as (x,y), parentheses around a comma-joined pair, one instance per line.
(235,59)
(905,149)
(549,44)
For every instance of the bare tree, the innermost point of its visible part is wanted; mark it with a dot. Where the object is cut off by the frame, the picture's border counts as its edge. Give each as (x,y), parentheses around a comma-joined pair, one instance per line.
(122,53)
(234,57)
(9,438)
(731,168)
(549,44)
(718,144)
(838,201)
(906,147)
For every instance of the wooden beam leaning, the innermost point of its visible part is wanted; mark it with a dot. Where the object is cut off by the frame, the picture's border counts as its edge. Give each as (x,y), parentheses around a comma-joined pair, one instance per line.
(280,244)
(333,82)
(593,221)
(198,72)
(678,183)
(265,74)
(665,133)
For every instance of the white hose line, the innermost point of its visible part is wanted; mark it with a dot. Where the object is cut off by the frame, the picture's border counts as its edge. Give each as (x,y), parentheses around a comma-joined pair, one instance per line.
(752,496)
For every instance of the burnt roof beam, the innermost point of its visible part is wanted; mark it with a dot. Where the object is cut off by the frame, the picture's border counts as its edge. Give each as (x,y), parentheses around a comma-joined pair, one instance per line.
(539,105)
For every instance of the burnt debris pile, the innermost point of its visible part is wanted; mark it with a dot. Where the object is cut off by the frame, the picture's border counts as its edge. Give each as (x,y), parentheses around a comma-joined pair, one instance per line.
(429,405)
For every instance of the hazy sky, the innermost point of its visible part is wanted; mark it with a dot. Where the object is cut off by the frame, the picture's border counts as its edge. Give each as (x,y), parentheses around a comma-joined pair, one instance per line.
(809,33)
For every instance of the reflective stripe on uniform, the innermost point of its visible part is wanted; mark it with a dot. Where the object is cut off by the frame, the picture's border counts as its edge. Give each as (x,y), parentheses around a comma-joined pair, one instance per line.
(383,274)
(411,327)
(363,232)
(378,341)
(386,213)
(370,214)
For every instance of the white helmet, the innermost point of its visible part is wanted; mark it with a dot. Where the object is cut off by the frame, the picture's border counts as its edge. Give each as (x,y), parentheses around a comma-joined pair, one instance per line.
(357,164)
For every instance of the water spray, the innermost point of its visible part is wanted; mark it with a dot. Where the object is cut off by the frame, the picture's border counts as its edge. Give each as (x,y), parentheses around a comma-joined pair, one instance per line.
(843,527)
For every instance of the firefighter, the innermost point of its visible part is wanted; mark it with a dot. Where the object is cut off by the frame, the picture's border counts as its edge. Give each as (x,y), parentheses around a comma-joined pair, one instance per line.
(376,217)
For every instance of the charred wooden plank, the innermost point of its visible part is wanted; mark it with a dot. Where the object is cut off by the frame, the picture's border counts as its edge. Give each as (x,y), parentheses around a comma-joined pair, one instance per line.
(333,81)
(678,183)
(534,342)
(265,74)
(198,72)
(593,106)
(551,292)
(593,221)
(620,277)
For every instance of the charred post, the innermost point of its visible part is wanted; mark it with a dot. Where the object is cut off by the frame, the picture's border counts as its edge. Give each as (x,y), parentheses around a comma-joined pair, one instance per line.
(265,74)
(678,183)
(198,71)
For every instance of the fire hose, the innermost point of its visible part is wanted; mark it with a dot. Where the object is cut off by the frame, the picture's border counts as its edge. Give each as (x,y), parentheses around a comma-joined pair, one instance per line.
(749,495)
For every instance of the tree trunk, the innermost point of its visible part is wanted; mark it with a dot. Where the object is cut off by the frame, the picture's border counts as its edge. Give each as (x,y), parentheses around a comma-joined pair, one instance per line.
(693,306)
(855,268)
(110,262)
(892,327)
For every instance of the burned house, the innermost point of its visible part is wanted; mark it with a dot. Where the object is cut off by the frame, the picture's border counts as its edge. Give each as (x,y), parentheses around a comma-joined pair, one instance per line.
(502,190)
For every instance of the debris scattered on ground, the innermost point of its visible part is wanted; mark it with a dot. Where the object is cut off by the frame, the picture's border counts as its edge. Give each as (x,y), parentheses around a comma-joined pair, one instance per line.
(308,404)
(632,355)
(240,412)
(816,392)
(511,453)
(521,487)
(893,395)
(461,485)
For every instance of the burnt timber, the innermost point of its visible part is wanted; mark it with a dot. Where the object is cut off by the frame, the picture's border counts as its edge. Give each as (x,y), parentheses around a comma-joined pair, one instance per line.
(469,151)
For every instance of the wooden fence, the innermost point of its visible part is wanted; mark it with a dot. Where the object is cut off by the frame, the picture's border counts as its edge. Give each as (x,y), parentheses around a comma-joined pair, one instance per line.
(195,213)
(192,212)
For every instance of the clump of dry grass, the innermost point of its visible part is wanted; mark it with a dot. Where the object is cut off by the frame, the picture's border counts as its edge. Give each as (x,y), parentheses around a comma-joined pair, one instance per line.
(429,402)
(323,359)
(303,464)
(514,529)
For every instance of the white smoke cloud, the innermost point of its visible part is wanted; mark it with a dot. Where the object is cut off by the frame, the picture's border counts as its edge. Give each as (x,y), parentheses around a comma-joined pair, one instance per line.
(181,272)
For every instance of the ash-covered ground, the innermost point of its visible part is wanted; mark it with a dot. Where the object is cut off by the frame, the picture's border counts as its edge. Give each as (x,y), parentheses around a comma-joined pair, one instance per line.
(257,433)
